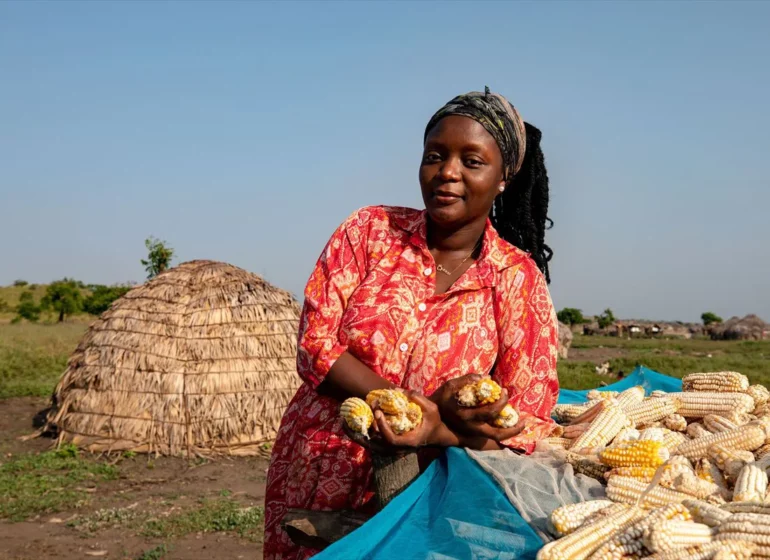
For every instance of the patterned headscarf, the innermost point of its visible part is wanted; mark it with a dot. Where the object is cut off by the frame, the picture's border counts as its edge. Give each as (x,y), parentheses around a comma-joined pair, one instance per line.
(498,117)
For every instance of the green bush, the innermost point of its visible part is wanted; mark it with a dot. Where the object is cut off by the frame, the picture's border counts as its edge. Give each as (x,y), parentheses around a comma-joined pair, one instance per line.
(64,297)
(20,283)
(27,308)
(102,297)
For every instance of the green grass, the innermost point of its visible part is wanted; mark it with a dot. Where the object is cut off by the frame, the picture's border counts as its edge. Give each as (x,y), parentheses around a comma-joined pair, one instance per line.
(33,357)
(48,482)
(670,356)
(154,553)
(209,516)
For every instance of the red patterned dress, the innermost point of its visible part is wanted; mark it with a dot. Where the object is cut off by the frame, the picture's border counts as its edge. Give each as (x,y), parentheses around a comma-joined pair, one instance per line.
(372,293)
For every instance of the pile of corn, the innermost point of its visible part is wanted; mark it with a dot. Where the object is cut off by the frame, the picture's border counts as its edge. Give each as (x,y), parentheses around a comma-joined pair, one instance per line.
(686,473)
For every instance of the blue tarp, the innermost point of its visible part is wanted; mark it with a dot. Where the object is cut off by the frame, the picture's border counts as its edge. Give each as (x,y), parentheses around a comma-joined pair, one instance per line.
(454,510)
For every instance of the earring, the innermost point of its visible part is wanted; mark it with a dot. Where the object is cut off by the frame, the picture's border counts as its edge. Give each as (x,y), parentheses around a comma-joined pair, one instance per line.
(501,188)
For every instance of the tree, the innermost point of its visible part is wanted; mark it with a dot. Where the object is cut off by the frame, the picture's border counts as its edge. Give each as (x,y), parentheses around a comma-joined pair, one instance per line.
(571,316)
(64,297)
(27,308)
(158,258)
(20,283)
(708,317)
(101,298)
(606,318)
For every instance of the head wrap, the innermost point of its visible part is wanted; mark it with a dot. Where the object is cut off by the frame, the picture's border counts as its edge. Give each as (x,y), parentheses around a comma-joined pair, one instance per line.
(498,117)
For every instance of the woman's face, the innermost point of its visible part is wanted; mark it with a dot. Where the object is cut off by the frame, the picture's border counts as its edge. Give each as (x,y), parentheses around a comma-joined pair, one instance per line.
(461,172)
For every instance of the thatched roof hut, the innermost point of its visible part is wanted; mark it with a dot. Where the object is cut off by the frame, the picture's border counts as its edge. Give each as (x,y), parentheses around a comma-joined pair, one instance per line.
(749,327)
(199,360)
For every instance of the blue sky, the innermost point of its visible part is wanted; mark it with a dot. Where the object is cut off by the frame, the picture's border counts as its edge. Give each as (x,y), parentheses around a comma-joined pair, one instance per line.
(247,131)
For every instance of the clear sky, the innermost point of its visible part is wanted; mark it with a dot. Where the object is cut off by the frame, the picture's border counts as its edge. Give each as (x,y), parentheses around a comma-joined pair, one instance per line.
(247,131)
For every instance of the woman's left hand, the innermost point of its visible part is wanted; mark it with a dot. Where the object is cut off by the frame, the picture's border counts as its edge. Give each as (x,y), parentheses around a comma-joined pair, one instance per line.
(431,431)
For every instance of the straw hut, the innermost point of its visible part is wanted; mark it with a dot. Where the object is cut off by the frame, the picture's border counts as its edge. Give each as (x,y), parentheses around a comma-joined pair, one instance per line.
(201,360)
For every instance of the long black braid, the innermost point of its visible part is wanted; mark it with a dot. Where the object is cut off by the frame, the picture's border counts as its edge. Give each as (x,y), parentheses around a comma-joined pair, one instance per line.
(520,212)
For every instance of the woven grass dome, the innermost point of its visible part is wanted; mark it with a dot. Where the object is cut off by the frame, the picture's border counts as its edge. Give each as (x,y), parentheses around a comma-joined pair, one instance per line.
(201,360)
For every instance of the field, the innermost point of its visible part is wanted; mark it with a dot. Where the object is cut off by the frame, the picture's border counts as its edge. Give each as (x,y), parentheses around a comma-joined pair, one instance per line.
(64,504)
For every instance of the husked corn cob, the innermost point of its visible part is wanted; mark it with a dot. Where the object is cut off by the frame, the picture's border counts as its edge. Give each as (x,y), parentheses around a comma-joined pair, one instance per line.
(484,391)
(674,534)
(389,401)
(507,418)
(672,440)
(565,413)
(626,435)
(762,451)
(698,404)
(652,434)
(630,543)
(583,542)
(748,437)
(651,410)
(703,512)
(718,424)
(628,490)
(751,485)
(730,550)
(406,421)
(565,519)
(696,429)
(689,483)
(594,394)
(357,415)
(658,393)
(722,381)
(675,422)
(673,468)
(603,429)
(558,442)
(762,410)
(643,474)
(630,397)
(587,466)
(747,507)
(646,453)
(751,527)
(760,394)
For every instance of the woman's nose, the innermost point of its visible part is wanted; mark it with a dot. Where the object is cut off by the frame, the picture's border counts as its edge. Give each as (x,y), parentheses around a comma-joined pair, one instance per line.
(450,170)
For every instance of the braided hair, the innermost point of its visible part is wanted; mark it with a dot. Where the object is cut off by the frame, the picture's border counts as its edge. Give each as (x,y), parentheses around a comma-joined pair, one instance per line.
(520,212)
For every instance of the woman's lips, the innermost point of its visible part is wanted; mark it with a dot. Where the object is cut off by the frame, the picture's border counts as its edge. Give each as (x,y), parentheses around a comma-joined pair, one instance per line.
(445,199)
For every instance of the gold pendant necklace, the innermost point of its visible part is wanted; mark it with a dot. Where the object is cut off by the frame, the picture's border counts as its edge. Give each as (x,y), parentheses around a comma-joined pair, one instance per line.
(441,267)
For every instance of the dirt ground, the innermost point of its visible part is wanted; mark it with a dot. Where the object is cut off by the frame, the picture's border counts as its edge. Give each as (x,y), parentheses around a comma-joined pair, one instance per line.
(142,485)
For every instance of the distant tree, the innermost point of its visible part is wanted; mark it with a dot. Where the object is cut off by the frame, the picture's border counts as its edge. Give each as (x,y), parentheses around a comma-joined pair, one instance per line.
(20,283)
(27,308)
(33,287)
(158,257)
(606,318)
(4,307)
(571,316)
(102,297)
(64,297)
(708,317)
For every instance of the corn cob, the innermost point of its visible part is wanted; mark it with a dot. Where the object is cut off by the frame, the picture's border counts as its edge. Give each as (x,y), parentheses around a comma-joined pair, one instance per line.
(704,469)
(762,410)
(595,395)
(565,519)
(747,507)
(558,442)
(565,413)
(696,429)
(706,513)
(751,527)
(652,434)
(357,415)
(406,421)
(675,422)
(751,485)
(629,543)
(722,382)
(658,393)
(643,474)
(674,534)
(626,435)
(649,425)
(675,466)
(689,483)
(588,538)
(718,424)
(628,491)
(587,466)
(672,440)
(729,550)
(748,437)
(603,429)
(389,401)
(698,405)
(630,397)
(651,410)
(762,451)
(721,455)
(507,418)
(483,391)
(647,453)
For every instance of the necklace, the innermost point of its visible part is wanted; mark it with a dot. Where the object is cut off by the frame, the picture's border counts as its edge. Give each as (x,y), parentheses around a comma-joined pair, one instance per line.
(441,267)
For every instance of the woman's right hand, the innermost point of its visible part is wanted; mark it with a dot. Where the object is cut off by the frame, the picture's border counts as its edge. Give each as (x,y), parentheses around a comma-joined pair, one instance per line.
(474,421)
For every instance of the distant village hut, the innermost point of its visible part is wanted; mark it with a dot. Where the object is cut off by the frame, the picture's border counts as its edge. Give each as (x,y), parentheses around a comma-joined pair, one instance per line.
(201,360)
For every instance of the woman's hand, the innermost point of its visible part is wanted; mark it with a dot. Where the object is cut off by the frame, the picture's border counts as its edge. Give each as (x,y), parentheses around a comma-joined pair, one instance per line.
(474,421)
(431,431)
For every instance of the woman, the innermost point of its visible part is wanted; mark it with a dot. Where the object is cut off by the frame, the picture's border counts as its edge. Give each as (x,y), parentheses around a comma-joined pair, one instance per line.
(423,300)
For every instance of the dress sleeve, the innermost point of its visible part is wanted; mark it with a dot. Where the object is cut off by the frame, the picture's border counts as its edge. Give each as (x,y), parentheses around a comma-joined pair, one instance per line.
(528,341)
(338,271)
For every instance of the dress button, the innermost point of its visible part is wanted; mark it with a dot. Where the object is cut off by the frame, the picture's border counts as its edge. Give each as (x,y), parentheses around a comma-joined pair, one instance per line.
(427,271)
(422,307)
(404,346)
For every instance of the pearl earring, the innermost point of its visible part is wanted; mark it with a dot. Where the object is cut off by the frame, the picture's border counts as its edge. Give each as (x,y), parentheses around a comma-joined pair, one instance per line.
(501,188)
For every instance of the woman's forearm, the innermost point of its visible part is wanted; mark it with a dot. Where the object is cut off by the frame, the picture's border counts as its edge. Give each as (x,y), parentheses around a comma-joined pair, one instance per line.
(349,377)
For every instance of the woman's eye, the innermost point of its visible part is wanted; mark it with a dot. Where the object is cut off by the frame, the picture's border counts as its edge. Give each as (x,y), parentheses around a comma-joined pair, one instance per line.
(473,163)
(431,158)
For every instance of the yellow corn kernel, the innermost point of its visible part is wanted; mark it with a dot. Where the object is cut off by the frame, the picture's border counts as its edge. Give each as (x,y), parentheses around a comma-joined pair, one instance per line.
(644,474)
(644,453)
(507,418)
(357,415)
(389,401)
(483,391)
